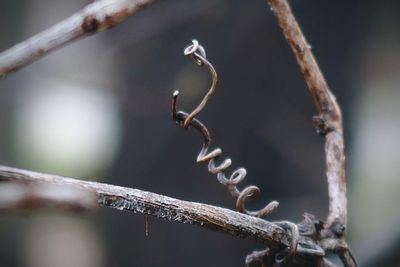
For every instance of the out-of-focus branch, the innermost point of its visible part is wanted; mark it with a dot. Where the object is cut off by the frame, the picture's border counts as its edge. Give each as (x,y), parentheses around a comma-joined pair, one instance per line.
(16,198)
(97,16)
(328,122)
(175,210)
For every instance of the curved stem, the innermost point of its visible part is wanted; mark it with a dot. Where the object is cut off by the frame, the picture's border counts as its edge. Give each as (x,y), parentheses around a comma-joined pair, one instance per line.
(328,122)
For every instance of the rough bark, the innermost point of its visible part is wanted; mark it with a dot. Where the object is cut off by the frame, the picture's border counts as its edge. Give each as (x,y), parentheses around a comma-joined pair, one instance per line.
(171,209)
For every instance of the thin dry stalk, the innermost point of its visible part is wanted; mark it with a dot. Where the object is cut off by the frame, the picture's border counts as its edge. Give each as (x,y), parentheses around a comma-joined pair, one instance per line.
(328,122)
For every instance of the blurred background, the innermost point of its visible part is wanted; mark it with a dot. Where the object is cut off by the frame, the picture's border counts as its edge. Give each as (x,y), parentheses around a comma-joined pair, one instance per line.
(99,109)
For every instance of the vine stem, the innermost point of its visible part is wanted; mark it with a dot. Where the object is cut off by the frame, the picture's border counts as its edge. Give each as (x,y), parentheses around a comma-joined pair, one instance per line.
(328,122)
(98,16)
(170,209)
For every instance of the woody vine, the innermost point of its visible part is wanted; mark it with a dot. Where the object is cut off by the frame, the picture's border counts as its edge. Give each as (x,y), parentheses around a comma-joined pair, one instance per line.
(287,243)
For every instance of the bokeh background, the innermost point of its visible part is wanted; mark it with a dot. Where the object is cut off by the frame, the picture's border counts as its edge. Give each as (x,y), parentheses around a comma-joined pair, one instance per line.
(99,109)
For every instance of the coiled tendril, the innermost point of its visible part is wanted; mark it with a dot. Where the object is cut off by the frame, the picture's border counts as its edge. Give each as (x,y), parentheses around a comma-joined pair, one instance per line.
(185,120)
(231,182)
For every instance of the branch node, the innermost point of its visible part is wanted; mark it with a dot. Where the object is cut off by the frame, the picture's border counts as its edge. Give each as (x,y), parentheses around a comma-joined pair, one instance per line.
(90,24)
(321,125)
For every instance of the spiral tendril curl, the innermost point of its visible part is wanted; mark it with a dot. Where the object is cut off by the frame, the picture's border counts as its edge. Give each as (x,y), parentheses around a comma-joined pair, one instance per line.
(183,119)
(198,53)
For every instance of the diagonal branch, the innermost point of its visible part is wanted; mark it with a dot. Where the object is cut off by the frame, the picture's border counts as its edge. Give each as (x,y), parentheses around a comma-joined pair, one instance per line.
(328,122)
(97,16)
(171,209)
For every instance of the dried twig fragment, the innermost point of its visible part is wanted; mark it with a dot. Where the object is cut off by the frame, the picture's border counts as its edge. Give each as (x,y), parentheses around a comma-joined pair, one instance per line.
(97,16)
(328,122)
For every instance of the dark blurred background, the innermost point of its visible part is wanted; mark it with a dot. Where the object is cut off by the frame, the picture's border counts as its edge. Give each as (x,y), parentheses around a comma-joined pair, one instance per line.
(99,109)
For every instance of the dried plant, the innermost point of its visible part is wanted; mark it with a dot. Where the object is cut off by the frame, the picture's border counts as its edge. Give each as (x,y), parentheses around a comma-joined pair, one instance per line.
(288,244)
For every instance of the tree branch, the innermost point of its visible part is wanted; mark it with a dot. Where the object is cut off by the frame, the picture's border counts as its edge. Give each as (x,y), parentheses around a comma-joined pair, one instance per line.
(329,119)
(15,198)
(97,16)
(171,209)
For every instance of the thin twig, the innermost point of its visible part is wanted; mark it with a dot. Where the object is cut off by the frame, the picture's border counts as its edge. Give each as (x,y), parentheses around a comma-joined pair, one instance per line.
(167,208)
(97,16)
(329,119)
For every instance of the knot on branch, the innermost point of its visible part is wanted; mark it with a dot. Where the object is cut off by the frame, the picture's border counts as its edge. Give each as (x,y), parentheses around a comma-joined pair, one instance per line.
(335,230)
(310,230)
(90,24)
(322,125)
